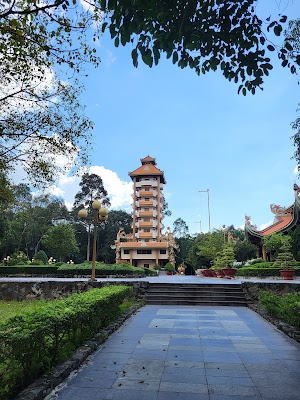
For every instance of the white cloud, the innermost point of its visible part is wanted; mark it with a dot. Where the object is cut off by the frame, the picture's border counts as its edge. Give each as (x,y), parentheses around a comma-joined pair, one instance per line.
(266,225)
(119,191)
(109,58)
(297,169)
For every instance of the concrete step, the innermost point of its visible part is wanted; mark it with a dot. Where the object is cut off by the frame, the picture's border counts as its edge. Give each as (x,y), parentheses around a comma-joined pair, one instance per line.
(208,294)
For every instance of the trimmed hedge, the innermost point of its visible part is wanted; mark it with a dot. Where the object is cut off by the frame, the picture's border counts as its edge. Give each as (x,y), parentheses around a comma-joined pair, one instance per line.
(29,269)
(104,270)
(286,307)
(77,269)
(262,272)
(36,339)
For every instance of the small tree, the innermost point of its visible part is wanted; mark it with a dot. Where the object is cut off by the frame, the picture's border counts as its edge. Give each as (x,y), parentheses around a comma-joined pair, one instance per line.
(285,258)
(42,256)
(60,241)
(273,243)
(225,259)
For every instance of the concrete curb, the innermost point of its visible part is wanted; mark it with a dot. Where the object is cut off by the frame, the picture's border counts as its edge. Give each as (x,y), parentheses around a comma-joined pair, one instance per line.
(41,387)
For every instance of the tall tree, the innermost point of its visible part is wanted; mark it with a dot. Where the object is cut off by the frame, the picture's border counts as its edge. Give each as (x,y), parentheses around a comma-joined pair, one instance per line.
(244,250)
(60,241)
(108,235)
(92,188)
(180,228)
(211,244)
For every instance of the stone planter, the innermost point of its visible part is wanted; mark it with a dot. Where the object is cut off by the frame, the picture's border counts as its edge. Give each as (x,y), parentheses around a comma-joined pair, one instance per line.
(287,274)
(209,273)
(229,272)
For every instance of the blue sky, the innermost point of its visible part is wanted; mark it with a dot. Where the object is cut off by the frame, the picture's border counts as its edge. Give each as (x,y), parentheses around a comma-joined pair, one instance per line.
(201,132)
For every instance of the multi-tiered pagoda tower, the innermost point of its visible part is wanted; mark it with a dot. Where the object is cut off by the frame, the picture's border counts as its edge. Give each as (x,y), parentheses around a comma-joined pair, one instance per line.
(146,246)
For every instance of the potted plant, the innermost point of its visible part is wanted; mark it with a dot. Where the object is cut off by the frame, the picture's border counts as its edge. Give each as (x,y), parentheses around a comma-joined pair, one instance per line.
(227,259)
(169,268)
(285,260)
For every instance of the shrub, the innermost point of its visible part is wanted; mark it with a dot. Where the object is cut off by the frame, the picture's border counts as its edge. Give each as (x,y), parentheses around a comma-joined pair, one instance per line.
(36,262)
(28,269)
(285,307)
(59,263)
(34,340)
(262,272)
(169,267)
(256,261)
(42,256)
(101,269)
(18,258)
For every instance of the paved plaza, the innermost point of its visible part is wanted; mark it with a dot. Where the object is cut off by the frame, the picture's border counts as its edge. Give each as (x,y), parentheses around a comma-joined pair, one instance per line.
(190,353)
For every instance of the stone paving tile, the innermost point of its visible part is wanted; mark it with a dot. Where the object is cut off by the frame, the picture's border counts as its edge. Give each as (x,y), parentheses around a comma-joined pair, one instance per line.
(182,396)
(279,393)
(230,380)
(116,394)
(72,393)
(183,387)
(191,353)
(184,377)
(225,372)
(225,397)
(184,364)
(225,365)
(139,384)
(236,390)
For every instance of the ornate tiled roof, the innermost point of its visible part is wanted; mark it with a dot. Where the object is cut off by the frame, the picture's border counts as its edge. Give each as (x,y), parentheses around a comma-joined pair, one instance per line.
(285,218)
(148,168)
(148,159)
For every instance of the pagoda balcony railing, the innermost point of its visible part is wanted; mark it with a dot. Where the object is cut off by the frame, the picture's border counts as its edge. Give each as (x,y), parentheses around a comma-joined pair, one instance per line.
(150,183)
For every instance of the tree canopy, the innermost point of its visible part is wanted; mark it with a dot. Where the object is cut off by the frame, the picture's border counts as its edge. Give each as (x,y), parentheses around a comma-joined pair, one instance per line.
(41,114)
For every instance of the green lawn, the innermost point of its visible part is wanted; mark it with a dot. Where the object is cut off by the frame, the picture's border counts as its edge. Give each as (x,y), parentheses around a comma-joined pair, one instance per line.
(9,309)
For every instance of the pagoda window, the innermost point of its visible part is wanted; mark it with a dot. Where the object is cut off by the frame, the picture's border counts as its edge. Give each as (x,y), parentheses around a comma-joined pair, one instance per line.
(126,251)
(162,251)
(144,251)
(147,230)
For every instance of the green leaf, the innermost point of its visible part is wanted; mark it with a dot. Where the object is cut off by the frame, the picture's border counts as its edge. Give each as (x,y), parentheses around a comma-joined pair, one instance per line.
(278,30)
(175,57)
(270,47)
(288,46)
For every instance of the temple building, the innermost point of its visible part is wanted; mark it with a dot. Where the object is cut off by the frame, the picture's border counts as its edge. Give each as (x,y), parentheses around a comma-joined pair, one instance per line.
(286,219)
(146,246)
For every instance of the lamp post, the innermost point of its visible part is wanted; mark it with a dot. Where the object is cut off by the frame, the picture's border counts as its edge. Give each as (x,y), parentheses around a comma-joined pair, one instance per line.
(207,191)
(100,216)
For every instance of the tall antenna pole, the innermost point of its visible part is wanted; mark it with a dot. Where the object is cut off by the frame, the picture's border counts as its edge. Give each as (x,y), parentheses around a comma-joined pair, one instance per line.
(207,191)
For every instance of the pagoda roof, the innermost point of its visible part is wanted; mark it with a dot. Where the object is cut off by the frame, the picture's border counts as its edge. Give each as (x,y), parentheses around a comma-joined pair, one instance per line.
(148,159)
(148,169)
(285,218)
(144,245)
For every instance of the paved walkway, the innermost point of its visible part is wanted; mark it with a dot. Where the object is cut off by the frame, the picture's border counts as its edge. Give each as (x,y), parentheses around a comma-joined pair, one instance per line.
(190,353)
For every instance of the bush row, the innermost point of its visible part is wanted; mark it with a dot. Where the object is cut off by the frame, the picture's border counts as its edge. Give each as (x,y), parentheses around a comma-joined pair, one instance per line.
(76,269)
(286,307)
(36,339)
(261,272)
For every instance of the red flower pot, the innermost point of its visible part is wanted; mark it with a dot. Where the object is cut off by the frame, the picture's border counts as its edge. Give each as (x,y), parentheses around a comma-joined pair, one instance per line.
(209,273)
(287,274)
(229,272)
